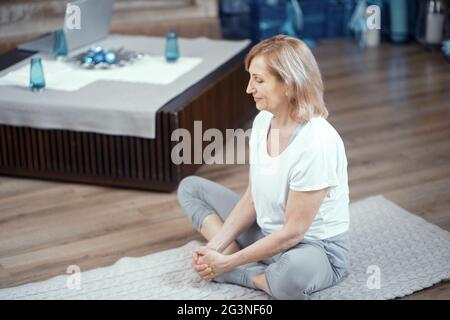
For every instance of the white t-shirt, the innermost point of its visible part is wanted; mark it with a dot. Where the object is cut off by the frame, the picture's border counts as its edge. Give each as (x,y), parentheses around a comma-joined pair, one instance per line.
(313,160)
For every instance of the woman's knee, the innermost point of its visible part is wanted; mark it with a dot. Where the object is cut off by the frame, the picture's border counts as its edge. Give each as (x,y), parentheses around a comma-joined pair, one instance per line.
(188,188)
(292,277)
(287,285)
(190,198)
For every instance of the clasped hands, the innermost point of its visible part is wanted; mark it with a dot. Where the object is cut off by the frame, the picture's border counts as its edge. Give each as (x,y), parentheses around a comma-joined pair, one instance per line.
(209,263)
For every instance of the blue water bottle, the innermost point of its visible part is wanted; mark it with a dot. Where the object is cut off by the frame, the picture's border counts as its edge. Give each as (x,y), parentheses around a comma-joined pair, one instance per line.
(37,80)
(172,52)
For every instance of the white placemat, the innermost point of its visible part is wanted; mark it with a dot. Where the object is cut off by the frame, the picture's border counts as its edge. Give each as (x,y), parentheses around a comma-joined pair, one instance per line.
(67,76)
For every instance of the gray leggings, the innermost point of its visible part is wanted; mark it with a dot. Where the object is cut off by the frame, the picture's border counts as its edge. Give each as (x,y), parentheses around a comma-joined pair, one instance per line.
(294,274)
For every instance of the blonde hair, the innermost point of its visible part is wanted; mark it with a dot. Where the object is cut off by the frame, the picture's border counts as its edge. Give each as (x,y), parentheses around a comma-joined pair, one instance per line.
(290,60)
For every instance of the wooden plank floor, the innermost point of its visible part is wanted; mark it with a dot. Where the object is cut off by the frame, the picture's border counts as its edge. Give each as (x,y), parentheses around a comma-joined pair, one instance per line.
(391,106)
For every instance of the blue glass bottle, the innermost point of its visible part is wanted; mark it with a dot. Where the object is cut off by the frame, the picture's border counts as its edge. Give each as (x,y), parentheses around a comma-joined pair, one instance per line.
(59,44)
(399,21)
(37,79)
(172,52)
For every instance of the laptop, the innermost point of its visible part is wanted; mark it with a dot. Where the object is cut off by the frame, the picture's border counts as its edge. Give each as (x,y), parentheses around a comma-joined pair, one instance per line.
(95,20)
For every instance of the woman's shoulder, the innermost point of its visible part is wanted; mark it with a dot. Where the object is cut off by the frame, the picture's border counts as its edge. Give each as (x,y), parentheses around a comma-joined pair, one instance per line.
(319,126)
(321,134)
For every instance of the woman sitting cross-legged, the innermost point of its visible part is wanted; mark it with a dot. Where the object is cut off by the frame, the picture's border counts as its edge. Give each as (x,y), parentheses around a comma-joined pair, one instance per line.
(288,233)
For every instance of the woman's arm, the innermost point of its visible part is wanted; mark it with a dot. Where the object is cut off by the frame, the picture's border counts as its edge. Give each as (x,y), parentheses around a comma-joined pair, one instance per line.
(240,218)
(301,209)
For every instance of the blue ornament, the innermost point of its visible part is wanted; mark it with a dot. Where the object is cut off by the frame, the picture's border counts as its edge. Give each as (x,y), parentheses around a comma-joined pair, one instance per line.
(99,57)
(91,53)
(87,60)
(110,57)
(98,49)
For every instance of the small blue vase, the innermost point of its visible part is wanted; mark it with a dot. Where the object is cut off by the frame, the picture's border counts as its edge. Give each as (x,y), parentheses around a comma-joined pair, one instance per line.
(59,44)
(37,79)
(399,20)
(172,52)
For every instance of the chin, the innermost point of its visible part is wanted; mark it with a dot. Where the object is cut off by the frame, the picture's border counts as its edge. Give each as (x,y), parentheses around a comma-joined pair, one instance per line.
(260,107)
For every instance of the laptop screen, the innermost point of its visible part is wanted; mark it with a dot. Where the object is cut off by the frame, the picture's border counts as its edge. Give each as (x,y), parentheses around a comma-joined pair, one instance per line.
(87,21)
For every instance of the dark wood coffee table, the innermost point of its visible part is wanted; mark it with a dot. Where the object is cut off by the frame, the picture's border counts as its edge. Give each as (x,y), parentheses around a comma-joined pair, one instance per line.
(218,100)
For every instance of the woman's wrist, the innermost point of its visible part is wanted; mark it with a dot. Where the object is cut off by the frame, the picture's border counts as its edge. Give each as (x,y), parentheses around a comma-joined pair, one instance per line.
(233,260)
(215,245)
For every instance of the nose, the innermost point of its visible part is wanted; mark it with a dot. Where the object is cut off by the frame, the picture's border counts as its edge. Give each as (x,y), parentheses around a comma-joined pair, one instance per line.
(250,88)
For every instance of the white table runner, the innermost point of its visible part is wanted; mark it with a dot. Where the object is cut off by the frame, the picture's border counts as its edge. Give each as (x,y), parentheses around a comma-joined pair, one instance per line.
(113,106)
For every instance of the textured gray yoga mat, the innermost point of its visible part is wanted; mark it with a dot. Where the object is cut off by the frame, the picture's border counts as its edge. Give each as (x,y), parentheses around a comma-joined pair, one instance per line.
(395,253)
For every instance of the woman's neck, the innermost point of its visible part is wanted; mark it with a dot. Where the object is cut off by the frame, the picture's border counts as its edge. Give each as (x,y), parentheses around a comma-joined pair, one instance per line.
(283,120)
